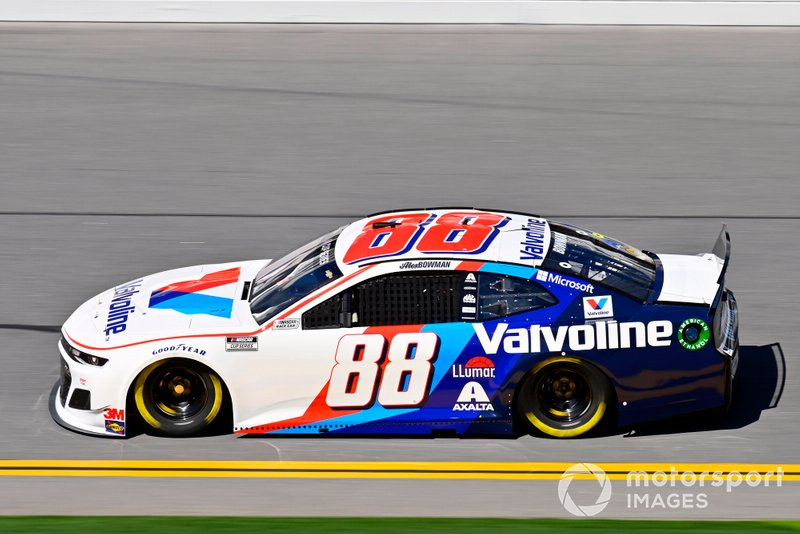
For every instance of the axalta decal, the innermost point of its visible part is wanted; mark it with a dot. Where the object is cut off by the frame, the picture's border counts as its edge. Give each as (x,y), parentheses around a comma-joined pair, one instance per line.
(533,245)
(121,307)
(553,278)
(180,348)
(473,398)
(601,335)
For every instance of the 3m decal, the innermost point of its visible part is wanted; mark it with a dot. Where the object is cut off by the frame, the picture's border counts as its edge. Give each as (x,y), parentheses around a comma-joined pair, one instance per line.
(450,233)
(598,307)
(601,335)
(357,373)
(693,334)
(473,398)
(114,413)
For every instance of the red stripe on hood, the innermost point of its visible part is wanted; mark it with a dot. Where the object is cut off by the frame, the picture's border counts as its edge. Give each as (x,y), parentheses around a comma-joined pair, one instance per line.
(219,278)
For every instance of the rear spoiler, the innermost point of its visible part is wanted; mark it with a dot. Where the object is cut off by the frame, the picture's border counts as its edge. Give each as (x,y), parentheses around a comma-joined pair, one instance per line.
(722,252)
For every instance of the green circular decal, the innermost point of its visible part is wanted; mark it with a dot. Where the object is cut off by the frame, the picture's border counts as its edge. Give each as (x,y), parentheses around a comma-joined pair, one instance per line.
(693,334)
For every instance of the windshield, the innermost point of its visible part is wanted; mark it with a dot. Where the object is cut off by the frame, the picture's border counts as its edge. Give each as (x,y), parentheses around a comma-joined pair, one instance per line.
(293,277)
(601,259)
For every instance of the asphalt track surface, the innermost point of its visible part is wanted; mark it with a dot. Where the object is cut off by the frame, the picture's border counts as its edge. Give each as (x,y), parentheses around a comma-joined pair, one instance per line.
(130,149)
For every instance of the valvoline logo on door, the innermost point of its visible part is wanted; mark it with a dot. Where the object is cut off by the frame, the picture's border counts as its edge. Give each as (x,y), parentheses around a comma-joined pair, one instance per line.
(206,295)
(597,307)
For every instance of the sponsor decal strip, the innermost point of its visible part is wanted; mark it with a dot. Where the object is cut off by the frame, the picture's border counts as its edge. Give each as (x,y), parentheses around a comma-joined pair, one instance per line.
(265,326)
(384,470)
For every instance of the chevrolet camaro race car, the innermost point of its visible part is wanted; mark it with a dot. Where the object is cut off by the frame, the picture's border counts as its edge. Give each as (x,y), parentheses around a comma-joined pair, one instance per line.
(434,321)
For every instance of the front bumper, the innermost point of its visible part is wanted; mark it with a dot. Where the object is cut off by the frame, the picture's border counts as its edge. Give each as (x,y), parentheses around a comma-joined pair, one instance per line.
(64,418)
(83,401)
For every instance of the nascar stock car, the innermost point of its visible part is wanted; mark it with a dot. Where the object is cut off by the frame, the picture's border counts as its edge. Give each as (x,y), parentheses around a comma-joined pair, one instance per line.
(434,321)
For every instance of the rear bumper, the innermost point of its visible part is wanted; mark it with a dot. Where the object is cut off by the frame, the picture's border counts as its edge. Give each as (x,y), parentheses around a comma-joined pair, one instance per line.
(726,338)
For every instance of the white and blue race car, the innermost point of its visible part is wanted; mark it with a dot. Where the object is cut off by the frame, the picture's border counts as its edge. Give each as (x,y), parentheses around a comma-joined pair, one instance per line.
(431,321)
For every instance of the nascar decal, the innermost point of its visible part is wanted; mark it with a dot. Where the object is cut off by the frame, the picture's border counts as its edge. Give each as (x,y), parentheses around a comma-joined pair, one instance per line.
(286,324)
(601,335)
(450,233)
(241,343)
(201,296)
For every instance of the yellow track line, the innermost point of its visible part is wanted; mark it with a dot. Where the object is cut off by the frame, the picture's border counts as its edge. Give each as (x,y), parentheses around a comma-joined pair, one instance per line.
(377,470)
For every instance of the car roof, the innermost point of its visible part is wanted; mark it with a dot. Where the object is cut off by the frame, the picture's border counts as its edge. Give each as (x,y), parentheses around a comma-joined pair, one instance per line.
(466,234)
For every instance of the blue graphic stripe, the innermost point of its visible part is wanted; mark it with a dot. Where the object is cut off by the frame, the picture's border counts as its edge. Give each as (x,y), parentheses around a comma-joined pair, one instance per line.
(520,271)
(192,303)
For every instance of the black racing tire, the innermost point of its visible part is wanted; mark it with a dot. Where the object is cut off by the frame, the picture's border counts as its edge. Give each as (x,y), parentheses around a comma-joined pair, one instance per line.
(178,397)
(564,397)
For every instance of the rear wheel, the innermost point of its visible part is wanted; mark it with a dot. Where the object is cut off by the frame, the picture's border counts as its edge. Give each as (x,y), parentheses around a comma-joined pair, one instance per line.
(564,397)
(178,397)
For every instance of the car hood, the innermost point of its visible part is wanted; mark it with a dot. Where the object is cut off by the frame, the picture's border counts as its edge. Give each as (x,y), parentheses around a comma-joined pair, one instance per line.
(202,299)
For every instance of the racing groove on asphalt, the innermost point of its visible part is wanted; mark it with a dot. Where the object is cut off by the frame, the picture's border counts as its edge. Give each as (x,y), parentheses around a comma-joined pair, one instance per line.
(133,149)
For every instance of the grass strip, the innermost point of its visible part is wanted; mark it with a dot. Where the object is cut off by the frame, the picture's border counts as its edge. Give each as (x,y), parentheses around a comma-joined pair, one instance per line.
(177,525)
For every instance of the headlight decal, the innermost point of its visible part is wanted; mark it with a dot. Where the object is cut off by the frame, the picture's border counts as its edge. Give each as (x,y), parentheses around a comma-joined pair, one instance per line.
(82,357)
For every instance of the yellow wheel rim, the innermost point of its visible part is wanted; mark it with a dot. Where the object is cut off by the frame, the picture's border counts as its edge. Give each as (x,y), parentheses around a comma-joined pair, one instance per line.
(549,430)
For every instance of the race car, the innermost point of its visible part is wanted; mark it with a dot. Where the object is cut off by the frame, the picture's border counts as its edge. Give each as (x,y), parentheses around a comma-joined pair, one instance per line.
(441,321)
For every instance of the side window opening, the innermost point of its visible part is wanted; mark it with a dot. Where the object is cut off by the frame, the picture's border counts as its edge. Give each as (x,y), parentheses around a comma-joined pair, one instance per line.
(395,299)
(428,298)
(500,296)
(407,299)
(328,314)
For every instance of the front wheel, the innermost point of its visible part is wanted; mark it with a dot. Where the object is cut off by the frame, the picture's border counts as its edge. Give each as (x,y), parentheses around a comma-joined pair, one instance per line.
(564,397)
(178,397)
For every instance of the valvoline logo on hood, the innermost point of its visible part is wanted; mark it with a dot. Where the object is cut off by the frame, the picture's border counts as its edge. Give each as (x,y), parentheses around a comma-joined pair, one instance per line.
(210,295)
